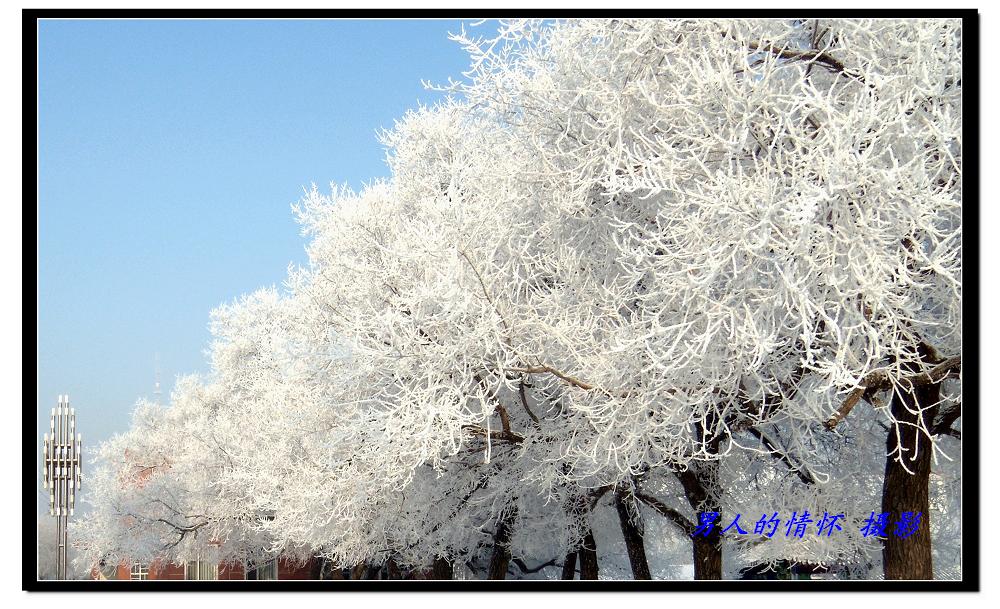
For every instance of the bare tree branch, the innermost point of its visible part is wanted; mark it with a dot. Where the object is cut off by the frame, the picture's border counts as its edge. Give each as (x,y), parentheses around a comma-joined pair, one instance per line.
(524,568)
(947,416)
(524,402)
(879,381)
(782,456)
(671,514)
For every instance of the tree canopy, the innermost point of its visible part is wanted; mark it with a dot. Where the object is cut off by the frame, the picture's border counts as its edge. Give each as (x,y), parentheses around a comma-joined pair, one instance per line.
(630,272)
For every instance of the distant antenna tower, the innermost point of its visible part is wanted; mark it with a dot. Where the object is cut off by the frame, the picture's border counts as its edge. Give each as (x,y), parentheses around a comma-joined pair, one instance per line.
(61,476)
(156,379)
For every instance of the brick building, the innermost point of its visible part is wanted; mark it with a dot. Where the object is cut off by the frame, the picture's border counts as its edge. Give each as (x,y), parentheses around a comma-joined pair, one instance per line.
(275,569)
(280,569)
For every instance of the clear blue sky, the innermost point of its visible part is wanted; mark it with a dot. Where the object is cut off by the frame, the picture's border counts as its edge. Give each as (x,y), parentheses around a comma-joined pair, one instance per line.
(169,155)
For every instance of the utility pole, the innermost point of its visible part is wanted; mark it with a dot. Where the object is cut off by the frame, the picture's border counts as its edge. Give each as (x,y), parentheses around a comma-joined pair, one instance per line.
(61,473)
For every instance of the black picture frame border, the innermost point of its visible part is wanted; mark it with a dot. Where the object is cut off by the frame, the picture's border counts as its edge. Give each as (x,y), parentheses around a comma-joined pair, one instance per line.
(971,553)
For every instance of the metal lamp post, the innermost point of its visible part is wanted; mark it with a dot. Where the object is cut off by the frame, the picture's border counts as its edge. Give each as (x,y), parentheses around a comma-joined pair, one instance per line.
(61,473)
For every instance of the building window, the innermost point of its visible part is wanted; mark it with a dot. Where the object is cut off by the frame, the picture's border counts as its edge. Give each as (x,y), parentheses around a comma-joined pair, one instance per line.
(201,569)
(139,571)
(266,570)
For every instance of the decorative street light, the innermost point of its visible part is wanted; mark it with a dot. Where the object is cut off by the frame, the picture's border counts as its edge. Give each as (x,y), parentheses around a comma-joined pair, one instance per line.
(61,472)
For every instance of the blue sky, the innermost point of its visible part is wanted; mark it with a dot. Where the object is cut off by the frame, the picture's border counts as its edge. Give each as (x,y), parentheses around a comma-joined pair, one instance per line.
(169,155)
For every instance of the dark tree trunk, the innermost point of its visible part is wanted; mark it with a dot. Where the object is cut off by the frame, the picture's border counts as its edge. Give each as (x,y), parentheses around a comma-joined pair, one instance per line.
(569,567)
(359,570)
(902,491)
(327,570)
(500,559)
(699,481)
(316,568)
(442,569)
(393,570)
(631,523)
(334,574)
(707,557)
(588,556)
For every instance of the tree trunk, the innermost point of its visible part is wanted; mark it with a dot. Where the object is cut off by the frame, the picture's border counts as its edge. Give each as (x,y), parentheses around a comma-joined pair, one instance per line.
(358,571)
(588,556)
(327,570)
(393,570)
(631,523)
(569,567)
(902,491)
(698,482)
(442,569)
(316,568)
(500,559)
(334,574)
(708,557)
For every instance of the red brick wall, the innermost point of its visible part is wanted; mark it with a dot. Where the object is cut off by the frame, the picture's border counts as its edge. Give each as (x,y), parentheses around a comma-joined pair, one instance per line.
(293,570)
(160,570)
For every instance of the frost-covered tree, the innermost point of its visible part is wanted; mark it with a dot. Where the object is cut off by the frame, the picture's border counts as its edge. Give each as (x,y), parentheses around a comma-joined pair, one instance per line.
(763,205)
(631,266)
(174,487)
